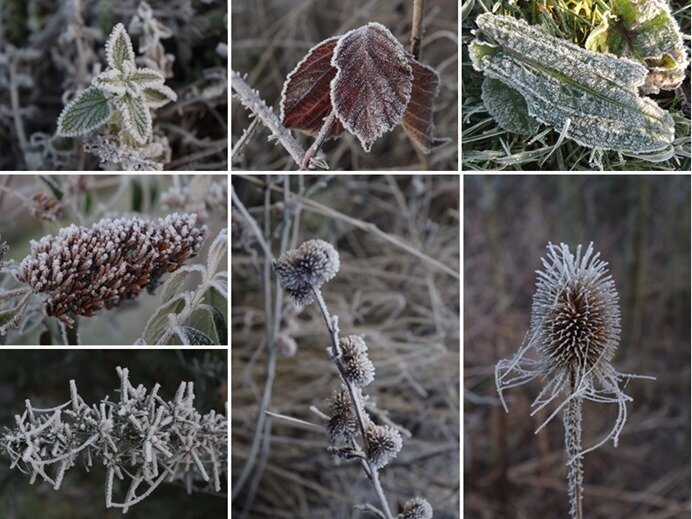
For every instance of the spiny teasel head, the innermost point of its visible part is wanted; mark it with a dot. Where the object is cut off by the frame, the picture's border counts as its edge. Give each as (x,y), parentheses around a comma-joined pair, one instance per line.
(343,424)
(358,368)
(383,444)
(416,508)
(575,316)
(83,269)
(306,268)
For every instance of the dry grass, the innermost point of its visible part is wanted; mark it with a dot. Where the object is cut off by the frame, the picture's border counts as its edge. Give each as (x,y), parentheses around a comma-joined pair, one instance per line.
(271,37)
(641,225)
(406,308)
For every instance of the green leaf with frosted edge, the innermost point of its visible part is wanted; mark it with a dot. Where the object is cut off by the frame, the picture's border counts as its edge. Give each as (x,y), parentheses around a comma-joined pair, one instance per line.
(194,337)
(645,31)
(158,95)
(119,52)
(588,97)
(159,320)
(85,113)
(136,117)
(508,107)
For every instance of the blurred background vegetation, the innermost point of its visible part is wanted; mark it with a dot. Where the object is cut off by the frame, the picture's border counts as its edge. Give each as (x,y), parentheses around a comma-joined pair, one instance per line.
(405,307)
(270,37)
(87,199)
(486,146)
(43,377)
(50,46)
(641,226)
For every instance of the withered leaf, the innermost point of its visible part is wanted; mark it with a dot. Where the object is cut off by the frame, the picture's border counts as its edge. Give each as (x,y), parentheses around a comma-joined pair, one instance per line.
(418,117)
(305,98)
(373,83)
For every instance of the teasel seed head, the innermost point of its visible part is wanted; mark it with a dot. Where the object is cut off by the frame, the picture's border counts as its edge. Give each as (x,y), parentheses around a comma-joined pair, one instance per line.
(416,508)
(309,266)
(358,368)
(575,315)
(343,424)
(383,444)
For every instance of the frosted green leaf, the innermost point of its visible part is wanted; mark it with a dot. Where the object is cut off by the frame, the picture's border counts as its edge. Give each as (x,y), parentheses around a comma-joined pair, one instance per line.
(193,337)
(119,49)
(645,31)
(136,117)
(158,95)
(86,112)
(590,98)
(159,320)
(508,107)
(145,78)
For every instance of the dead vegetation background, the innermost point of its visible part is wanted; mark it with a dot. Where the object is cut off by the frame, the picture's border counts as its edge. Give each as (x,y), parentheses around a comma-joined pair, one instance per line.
(50,46)
(270,37)
(641,225)
(405,307)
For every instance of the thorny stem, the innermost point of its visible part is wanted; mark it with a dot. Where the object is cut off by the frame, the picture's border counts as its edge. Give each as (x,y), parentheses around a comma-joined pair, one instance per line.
(249,98)
(319,140)
(575,473)
(417,27)
(333,328)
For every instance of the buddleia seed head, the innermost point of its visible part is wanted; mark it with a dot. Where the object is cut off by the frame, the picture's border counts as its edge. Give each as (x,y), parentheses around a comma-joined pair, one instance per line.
(416,508)
(383,444)
(342,419)
(309,266)
(575,316)
(358,368)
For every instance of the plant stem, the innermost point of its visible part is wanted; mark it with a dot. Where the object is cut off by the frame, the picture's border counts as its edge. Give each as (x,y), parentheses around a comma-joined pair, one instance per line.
(250,100)
(333,328)
(319,140)
(575,473)
(417,27)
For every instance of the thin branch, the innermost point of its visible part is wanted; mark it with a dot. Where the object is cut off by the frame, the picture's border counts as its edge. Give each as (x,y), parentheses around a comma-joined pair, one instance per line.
(308,162)
(250,100)
(417,27)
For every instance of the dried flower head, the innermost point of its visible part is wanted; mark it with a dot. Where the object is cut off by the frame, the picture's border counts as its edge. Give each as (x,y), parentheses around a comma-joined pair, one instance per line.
(83,269)
(575,330)
(383,444)
(45,207)
(306,268)
(416,508)
(358,368)
(342,419)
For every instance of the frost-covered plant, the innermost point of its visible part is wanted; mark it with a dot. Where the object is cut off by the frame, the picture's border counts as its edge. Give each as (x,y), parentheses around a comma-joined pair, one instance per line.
(353,434)
(534,78)
(119,102)
(575,330)
(140,438)
(83,269)
(363,82)
(196,197)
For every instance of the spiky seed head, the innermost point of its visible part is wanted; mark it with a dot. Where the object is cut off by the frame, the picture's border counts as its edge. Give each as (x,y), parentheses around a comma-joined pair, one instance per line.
(358,368)
(342,418)
(575,315)
(383,444)
(309,266)
(416,508)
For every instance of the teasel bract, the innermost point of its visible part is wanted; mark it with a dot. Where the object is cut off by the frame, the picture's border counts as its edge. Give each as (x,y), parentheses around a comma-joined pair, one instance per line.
(575,330)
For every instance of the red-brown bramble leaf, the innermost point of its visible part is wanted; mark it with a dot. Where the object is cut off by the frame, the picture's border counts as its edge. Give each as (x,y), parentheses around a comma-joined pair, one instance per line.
(305,98)
(373,83)
(418,118)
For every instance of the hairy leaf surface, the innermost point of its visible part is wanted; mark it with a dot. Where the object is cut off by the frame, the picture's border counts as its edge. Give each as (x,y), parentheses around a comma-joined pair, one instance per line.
(157,96)
(373,83)
(136,117)
(508,107)
(589,97)
(119,50)
(305,98)
(645,31)
(86,112)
